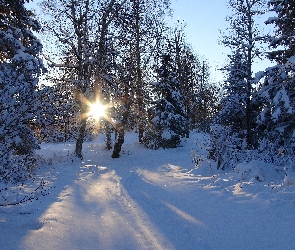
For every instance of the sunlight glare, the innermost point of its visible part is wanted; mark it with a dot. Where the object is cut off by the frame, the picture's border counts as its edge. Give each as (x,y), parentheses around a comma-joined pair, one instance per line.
(97,110)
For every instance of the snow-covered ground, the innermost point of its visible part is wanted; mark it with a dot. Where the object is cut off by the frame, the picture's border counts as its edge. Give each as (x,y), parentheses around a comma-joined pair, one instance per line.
(149,199)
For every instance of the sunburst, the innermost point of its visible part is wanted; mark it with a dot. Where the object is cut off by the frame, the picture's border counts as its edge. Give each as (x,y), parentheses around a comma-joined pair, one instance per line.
(97,110)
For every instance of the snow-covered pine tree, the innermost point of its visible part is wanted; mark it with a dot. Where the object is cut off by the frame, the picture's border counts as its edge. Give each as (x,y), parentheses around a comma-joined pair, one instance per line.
(234,128)
(283,41)
(233,113)
(277,93)
(228,129)
(276,97)
(20,68)
(188,70)
(245,37)
(168,121)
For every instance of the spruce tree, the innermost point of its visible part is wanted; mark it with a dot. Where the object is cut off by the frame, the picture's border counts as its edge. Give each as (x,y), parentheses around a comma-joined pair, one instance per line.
(244,39)
(20,68)
(234,127)
(168,122)
(229,125)
(276,95)
(283,42)
(234,101)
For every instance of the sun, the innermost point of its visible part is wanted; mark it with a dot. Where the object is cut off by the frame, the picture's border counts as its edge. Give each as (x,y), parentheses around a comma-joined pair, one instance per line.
(97,110)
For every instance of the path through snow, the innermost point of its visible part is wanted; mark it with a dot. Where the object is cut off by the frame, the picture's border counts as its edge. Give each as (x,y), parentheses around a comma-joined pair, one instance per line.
(144,200)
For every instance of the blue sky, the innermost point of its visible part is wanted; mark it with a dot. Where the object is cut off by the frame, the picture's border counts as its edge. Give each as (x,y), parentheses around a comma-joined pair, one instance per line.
(204,20)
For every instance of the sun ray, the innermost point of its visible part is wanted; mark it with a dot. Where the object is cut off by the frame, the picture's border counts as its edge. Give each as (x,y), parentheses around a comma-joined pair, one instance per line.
(97,110)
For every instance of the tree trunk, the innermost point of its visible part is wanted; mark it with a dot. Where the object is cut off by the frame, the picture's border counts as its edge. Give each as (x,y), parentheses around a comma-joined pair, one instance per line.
(80,139)
(120,129)
(119,142)
(187,130)
(138,70)
(249,78)
(108,140)
(248,118)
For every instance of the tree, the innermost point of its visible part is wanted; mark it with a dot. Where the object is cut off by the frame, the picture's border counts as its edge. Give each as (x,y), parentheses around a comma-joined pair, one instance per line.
(244,39)
(276,95)
(234,127)
(276,98)
(193,76)
(20,69)
(144,30)
(229,125)
(139,27)
(168,122)
(233,104)
(206,99)
(86,48)
(284,39)
(49,112)
(97,38)
(188,72)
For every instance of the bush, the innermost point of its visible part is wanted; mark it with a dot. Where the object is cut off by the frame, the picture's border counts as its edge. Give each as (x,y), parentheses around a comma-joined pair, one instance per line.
(225,145)
(155,138)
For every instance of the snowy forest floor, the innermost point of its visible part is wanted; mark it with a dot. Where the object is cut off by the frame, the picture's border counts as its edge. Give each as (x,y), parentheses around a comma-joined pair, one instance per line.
(148,199)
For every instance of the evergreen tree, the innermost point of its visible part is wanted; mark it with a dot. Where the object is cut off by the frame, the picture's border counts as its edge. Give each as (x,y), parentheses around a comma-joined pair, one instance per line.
(234,127)
(229,125)
(20,68)
(276,96)
(234,102)
(284,39)
(244,39)
(168,122)
(188,71)
(193,76)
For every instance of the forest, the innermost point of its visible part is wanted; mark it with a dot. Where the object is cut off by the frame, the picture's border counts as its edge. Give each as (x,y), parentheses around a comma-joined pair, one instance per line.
(122,59)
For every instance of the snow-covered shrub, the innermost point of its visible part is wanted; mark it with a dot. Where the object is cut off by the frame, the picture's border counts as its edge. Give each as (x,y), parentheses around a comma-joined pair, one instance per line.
(16,168)
(258,170)
(276,125)
(155,137)
(225,145)
(152,137)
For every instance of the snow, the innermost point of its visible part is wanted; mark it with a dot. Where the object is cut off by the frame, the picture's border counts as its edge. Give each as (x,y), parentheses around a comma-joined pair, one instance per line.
(150,199)
(291,60)
(276,113)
